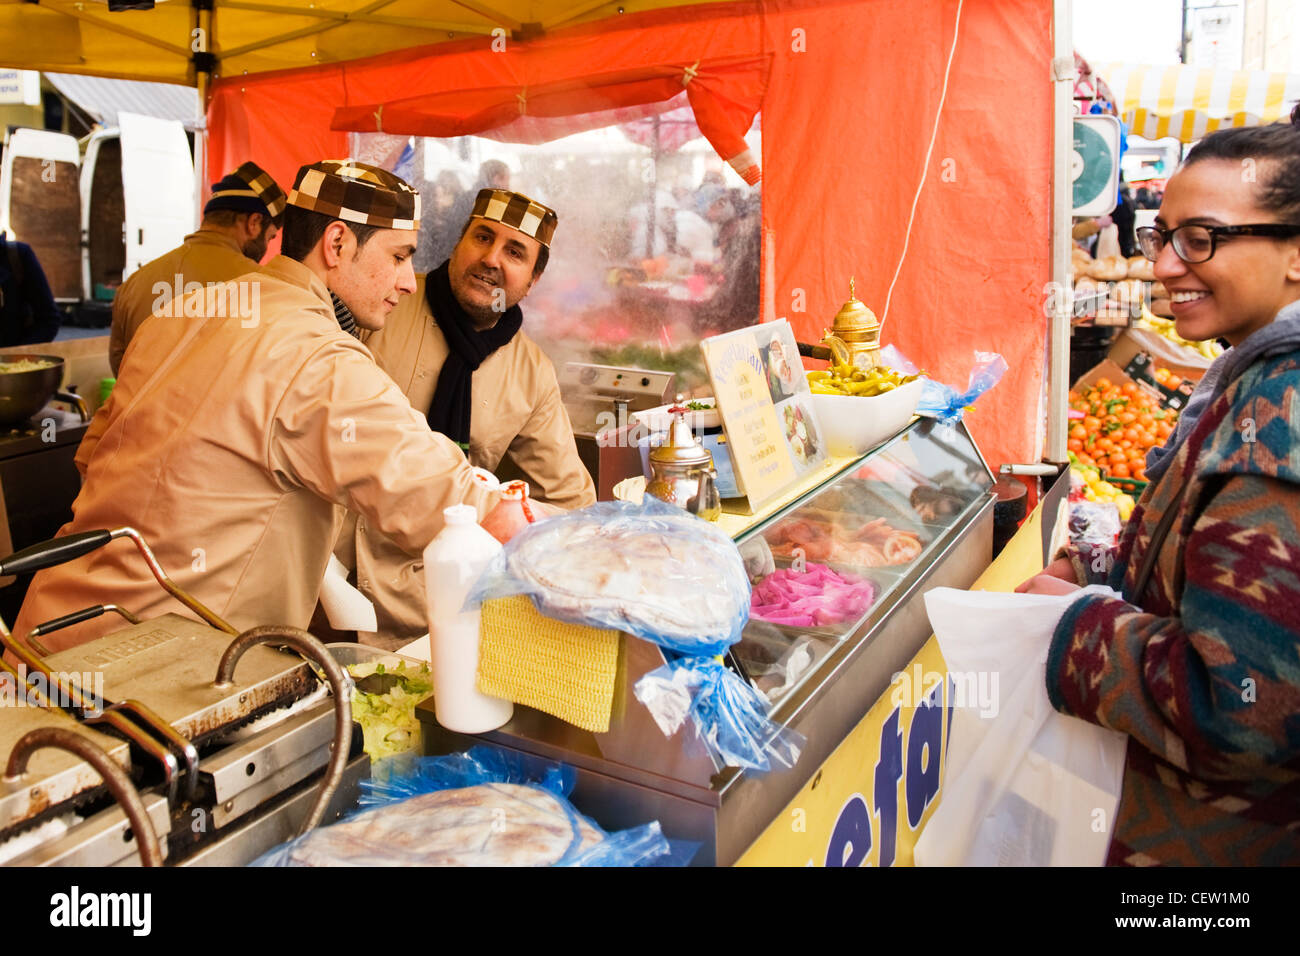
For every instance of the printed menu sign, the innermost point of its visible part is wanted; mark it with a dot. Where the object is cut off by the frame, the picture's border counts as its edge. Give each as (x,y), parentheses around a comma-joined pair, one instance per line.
(766,408)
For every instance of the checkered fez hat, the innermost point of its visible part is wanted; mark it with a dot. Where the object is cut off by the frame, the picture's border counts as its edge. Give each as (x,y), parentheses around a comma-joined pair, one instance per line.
(249,188)
(518,212)
(356,192)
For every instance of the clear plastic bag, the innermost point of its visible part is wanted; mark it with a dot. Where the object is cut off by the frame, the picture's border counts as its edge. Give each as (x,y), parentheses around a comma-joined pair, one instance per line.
(651,570)
(495,800)
(729,715)
(900,363)
(1094,523)
(1024,785)
(946,404)
(406,776)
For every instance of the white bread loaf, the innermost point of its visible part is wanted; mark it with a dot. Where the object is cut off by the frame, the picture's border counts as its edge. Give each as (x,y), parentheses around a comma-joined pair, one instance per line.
(1109,269)
(1140,267)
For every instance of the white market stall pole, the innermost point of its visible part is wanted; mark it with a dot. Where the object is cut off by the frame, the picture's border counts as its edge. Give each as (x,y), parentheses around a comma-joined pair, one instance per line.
(1059,294)
(1061,290)
(1187,103)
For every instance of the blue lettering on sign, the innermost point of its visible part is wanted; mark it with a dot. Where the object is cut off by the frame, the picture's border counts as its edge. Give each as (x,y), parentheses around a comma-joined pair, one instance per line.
(924,739)
(851,839)
(889,770)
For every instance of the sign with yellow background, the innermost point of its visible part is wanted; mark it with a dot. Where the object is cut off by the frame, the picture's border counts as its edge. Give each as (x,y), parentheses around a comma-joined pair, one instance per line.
(868,802)
(766,407)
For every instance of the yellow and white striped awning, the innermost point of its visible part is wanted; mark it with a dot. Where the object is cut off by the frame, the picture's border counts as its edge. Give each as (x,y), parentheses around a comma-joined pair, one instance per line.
(1187,103)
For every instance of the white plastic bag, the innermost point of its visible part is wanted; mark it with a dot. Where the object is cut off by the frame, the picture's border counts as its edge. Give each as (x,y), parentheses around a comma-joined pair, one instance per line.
(1024,784)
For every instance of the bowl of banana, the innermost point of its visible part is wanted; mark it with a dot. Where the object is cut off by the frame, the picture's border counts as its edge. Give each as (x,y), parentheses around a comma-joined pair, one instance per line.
(860,408)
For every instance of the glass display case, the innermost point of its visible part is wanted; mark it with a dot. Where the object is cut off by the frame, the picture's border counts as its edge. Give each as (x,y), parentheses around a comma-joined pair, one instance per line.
(833,560)
(838,574)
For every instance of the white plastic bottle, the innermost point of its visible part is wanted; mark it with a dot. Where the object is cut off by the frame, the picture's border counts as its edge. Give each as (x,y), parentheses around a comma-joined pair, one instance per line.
(453,561)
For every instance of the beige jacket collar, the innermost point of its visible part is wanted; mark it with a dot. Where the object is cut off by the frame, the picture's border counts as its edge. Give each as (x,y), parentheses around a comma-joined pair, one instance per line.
(210,237)
(294,272)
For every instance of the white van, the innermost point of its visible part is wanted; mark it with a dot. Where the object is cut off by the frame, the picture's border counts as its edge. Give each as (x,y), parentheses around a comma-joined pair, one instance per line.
(94,220)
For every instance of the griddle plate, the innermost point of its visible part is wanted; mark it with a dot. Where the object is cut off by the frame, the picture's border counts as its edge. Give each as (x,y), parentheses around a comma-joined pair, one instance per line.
(169,664)
(54,777)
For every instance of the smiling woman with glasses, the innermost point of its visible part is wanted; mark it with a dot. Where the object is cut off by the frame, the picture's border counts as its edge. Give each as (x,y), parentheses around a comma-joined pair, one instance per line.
(1198,660)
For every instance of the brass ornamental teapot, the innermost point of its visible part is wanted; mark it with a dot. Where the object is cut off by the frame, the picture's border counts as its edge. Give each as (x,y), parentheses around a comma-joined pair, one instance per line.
(854,336)
(682,472)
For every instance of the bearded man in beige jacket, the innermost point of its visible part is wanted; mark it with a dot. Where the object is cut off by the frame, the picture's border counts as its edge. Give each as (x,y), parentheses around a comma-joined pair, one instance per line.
(240,219)
(456,348)
(234,441)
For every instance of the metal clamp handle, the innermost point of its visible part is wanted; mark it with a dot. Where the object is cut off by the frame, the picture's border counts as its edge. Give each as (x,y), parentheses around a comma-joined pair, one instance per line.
(69,546)
(76,617)
(118,783)
(46,554)
(177,742)
(341,685)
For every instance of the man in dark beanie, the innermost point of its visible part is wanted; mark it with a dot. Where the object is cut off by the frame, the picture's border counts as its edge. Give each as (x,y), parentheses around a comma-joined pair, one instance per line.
(240,220)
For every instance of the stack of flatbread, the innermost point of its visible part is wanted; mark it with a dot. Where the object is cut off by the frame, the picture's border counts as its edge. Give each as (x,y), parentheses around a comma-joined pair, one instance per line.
(492,824)
(667,578)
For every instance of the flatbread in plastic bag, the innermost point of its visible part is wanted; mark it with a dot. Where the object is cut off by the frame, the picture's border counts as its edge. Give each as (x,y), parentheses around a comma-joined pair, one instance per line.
(491,824)
(651,570)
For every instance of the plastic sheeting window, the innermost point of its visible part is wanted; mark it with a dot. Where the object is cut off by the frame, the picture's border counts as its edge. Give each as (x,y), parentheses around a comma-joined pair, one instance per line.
(658,244)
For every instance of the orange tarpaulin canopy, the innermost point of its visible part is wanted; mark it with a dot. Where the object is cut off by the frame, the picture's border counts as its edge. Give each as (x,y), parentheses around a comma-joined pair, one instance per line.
(724,96)
(714,53)
(849,94)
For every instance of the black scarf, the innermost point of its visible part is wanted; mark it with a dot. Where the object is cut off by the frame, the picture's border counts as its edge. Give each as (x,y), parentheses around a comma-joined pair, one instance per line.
(467,349)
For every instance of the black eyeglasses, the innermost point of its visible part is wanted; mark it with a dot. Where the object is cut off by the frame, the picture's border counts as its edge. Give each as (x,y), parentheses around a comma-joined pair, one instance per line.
(1195,244)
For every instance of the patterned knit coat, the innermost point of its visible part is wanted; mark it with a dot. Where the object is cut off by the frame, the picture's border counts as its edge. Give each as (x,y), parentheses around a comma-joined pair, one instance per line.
(1202,670)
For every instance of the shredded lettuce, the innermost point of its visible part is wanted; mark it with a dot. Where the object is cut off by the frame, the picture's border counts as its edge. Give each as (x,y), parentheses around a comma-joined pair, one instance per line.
(388,721)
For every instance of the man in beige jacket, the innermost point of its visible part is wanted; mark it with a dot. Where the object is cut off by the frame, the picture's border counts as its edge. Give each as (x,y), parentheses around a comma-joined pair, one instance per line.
(235,441)
(242,217)
(457,350)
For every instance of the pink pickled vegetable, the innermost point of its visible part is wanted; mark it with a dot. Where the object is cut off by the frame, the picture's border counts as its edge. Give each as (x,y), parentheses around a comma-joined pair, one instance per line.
(817,597)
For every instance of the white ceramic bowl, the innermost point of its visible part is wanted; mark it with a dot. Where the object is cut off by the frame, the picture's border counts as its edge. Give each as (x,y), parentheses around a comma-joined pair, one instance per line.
(660,419)
(853,424)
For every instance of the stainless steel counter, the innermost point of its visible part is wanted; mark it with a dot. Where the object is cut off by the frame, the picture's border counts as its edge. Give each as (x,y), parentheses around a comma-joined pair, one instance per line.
(634,774)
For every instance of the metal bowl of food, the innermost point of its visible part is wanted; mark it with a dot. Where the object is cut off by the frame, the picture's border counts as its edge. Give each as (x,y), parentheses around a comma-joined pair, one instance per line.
(27,382)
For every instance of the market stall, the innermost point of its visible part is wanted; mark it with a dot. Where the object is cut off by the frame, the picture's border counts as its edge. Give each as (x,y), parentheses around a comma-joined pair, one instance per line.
(825,216)
(923,131)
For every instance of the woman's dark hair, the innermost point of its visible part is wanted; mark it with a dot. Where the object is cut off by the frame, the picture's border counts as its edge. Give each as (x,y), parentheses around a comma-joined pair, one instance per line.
(1279,144)
(303,229)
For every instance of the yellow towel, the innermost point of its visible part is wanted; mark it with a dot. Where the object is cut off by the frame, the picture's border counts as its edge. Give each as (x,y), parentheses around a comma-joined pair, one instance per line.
(566,670)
